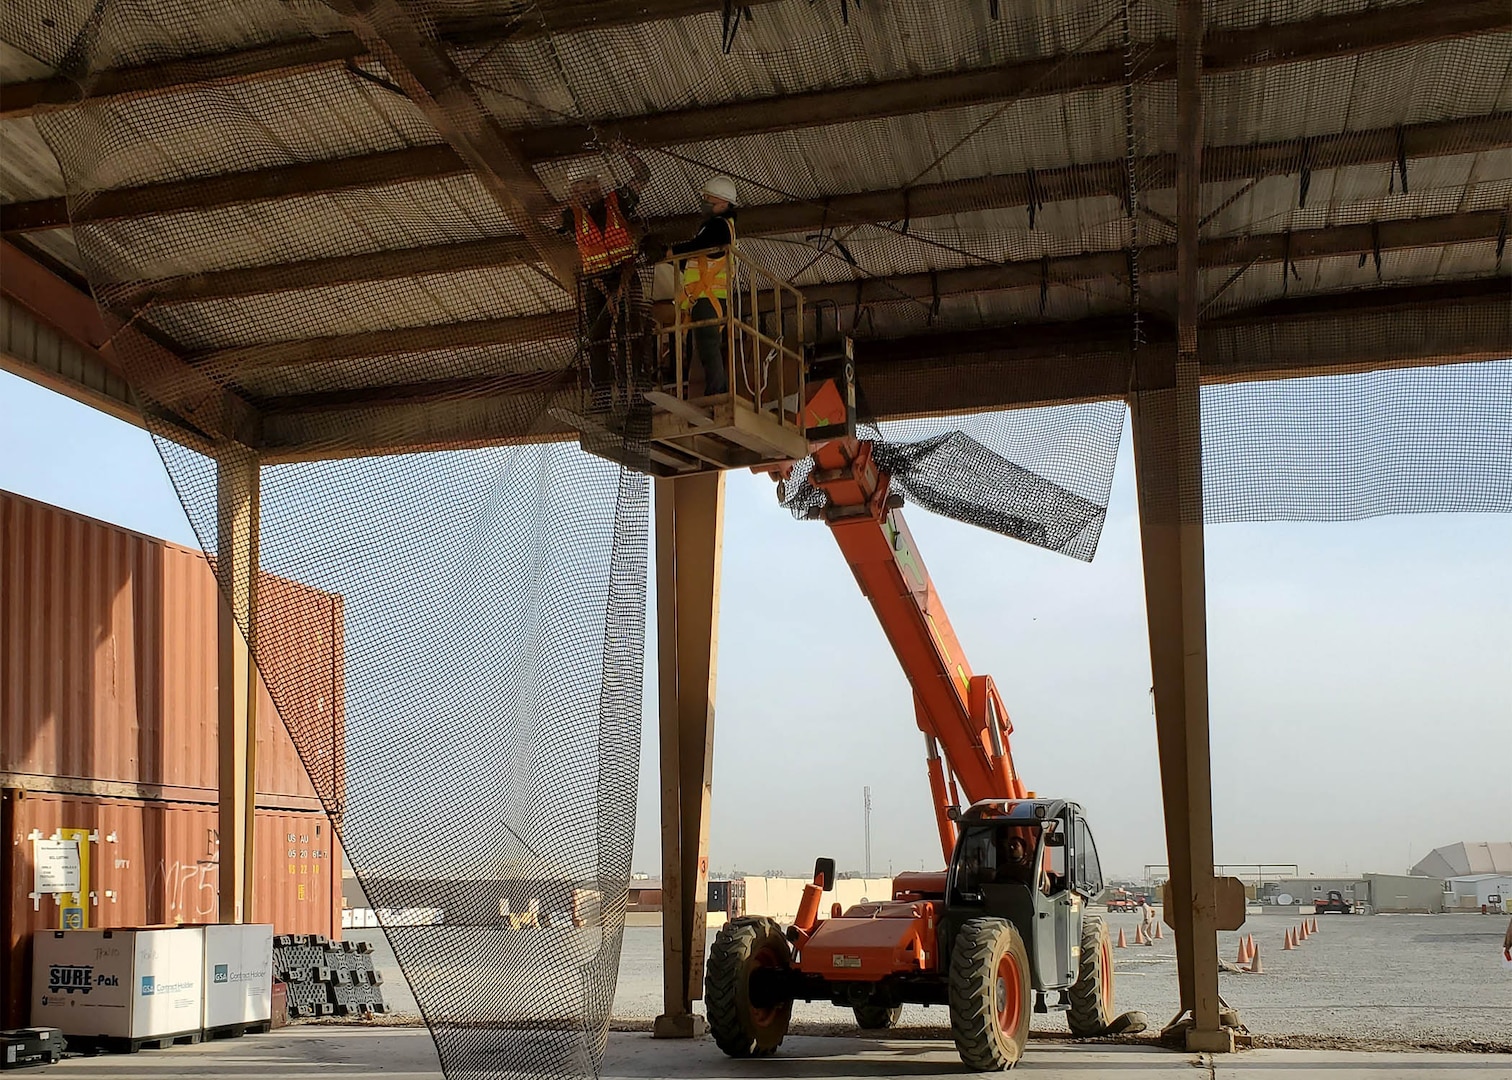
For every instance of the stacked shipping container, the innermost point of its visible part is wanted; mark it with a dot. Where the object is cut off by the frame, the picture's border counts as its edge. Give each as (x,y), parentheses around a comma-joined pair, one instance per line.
(108,732)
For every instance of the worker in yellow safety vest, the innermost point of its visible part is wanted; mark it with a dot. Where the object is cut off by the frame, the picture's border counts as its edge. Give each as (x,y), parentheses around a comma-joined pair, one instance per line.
(705,278)
(600,225)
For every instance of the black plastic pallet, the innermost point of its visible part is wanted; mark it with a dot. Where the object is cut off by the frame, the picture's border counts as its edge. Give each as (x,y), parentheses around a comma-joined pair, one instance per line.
(21,1048)
(105,1044)
(236,1031)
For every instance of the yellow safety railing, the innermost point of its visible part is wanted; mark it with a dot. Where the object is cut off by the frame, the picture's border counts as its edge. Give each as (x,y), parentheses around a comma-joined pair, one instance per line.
(760,329)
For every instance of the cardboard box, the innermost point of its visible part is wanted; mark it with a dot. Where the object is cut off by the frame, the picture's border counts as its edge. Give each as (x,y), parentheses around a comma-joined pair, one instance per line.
(238,975)
(123,984)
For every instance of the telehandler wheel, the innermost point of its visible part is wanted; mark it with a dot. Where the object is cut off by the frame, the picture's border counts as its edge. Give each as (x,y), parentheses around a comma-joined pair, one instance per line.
(1092,994)
(989,995)
(740,1028)
(876,1017)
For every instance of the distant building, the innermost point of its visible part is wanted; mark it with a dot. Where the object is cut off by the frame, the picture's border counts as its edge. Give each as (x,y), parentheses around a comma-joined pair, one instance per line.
(727,897)
(1307,890)
(1405,893)
(1373,893)
(645,894)
(1466,859)
(1475,891)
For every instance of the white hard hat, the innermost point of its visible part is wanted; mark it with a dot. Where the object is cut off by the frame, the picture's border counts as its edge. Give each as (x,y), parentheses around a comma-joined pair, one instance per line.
(720,187)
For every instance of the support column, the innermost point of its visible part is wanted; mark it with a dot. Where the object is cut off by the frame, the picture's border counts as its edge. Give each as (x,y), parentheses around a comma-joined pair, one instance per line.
(1166,411)
(237,490)
(689,540)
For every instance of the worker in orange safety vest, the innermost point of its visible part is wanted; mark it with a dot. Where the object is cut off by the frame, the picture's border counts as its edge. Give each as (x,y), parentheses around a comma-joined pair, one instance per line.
(600,223)
(705,277)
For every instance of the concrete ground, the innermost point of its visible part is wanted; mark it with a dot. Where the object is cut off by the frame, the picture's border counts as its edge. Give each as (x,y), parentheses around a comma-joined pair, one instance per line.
(1433,980)
(407,1054)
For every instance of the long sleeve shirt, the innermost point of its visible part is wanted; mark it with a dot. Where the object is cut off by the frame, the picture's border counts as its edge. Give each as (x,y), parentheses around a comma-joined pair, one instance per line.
(713,233)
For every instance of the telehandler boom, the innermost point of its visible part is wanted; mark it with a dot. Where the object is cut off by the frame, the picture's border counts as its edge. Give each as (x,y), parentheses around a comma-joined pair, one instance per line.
(1007,919)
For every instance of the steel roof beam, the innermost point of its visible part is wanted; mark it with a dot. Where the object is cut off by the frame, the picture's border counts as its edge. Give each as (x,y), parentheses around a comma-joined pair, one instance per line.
(425,72)
(1339,333)
(1247,49)
(200,410)
(1380,146)
(1301,246)
(1022,366)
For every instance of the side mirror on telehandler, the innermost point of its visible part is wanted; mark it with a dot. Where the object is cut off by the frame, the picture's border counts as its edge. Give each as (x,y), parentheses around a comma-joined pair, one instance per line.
(824,873)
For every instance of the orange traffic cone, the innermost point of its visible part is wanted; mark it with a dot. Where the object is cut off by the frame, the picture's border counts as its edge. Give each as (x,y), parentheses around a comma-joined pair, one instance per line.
(1139,938)
(1315,924)
(1159,930)
(1255,967)
(1123,942)
(1243,957)
(1253,948)
(1302,936)
(1290,945)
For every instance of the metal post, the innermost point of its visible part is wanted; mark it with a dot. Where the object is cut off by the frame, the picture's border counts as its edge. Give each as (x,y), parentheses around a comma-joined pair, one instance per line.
(689,540)
(1166,411)
(866,814)
(237,483)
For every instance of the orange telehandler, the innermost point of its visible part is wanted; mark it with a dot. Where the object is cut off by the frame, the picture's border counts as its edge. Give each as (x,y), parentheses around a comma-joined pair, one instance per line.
(1007,921)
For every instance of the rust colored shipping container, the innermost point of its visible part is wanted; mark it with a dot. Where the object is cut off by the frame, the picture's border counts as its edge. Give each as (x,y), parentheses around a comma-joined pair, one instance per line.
(153,862)
(108,666)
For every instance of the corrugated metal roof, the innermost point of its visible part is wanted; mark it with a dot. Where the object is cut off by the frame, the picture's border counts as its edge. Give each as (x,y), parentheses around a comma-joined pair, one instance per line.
(402,368)
(782,49)
(785,48)
(446,210)
(1354,93)
(429,301)
(241,126)
(125,35)
(31,171)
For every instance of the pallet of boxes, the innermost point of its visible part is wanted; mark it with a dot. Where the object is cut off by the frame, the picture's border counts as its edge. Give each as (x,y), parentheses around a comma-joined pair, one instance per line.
(134,988)
(327,978)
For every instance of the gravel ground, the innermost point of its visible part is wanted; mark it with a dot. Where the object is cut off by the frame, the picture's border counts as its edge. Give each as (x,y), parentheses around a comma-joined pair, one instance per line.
(1421,980)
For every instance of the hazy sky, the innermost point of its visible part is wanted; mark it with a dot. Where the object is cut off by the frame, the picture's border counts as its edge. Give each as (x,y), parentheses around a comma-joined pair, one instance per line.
(1361,673)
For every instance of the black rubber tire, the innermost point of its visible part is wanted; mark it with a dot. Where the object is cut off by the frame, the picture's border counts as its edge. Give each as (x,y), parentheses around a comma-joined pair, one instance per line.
(876,1017)
(1092,994)
(990,1026)
(740,947)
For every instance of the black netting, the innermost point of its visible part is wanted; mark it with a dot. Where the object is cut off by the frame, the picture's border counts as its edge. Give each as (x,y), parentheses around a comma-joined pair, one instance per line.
(491,626)
(1346,447)
(298,267)
(969,468)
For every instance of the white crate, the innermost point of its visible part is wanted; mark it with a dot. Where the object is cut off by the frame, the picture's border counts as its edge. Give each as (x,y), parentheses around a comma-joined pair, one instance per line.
(125,984)
(238,974)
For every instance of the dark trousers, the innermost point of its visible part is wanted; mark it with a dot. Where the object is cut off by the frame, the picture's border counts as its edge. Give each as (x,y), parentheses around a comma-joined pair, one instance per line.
(708,346)
(605,316)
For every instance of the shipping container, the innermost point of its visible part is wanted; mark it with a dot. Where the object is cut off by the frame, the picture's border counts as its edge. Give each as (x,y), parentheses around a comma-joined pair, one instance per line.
(150,863)
(108,737)
(108,666)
